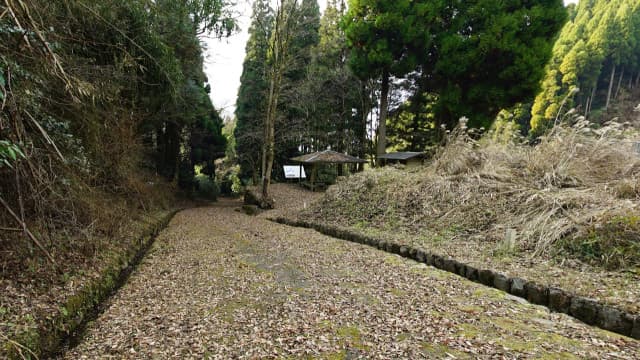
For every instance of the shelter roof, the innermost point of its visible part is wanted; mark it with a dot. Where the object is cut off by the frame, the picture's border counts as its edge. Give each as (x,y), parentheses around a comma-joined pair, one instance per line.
(406,155)
(327,157)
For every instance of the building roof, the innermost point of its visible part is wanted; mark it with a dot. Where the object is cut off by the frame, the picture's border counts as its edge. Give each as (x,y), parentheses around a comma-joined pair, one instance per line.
(406,155)
(327,157)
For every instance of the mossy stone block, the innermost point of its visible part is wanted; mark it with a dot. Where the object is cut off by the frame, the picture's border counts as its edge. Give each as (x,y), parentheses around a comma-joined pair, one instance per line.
(518,287)
(559,300)
(486,277)
(537,294)
(584,309)
(502,282)
(635,332)
(438,261)
(471,273)
(450,265)
(404,251)
(612,319)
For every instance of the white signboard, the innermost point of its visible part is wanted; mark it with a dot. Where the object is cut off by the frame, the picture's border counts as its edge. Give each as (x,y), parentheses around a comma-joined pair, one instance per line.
(293,172)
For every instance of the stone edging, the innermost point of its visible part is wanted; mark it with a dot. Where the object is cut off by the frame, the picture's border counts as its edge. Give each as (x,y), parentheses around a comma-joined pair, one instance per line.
(589,311)
(66,328)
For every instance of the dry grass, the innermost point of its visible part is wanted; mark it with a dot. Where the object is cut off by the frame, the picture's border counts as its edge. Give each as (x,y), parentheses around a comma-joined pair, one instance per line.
(560,193)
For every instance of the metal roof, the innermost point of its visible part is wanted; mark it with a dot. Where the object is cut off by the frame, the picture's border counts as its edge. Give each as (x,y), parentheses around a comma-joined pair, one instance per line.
(401,155)
(327,157)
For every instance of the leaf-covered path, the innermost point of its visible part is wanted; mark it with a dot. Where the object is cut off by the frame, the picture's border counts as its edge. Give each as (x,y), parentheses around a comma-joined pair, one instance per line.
(220,284)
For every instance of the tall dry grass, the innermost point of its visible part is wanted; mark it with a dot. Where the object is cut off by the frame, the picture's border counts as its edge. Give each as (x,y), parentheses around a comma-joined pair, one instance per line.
(559,194)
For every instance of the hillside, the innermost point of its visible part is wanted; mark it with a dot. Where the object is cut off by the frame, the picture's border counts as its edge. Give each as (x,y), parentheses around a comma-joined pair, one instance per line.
(573,194)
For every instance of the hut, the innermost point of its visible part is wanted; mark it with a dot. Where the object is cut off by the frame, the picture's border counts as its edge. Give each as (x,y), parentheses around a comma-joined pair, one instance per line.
(324,157)
(407,158)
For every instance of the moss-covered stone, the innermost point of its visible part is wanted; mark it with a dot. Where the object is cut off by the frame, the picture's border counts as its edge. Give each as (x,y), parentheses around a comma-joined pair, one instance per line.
(471,273)
(501,282)
(612,319)
(559,300)
(518,287)
(486,277)
(537,294)
(635,332)
(584,309)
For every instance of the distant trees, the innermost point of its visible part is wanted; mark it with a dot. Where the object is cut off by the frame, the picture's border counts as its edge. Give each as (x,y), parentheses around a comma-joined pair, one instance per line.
(337,116)
(320,103)
(596,56)
(468,58)
(384,37)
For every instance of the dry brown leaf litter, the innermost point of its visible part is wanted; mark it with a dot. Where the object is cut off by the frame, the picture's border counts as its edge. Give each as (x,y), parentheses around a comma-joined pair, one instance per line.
(219,284)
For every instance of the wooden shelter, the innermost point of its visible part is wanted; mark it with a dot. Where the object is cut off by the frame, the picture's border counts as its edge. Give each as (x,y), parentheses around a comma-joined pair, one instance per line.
(408,158)
(325,157)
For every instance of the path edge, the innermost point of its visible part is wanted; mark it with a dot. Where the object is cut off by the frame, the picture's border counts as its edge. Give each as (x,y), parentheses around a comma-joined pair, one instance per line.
(589,311)
(65,329)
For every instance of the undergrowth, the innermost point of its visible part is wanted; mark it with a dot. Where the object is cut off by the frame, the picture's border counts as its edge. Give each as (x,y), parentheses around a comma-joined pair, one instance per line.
(574,194)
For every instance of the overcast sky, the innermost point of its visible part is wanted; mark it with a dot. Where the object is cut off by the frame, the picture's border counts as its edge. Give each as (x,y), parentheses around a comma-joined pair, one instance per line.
(223,60)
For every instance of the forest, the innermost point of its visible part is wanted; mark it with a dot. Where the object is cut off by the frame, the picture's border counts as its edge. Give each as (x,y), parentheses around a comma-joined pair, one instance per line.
(525,113)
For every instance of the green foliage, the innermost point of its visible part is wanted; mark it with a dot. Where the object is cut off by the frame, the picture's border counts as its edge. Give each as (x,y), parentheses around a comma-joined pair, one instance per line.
(472,58)
(381,35)
(614,243)
(206,188)
(9,153)
(596,50)
(336,117)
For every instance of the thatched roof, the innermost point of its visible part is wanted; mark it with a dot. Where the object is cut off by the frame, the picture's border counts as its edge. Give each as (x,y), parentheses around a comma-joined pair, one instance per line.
(327,157)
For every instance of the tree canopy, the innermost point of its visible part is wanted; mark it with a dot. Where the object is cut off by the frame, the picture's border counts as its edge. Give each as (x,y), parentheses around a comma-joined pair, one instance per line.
(597,52)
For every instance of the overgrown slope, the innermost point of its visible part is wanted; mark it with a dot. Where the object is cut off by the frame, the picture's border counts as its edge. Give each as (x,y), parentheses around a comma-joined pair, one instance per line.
(576,192)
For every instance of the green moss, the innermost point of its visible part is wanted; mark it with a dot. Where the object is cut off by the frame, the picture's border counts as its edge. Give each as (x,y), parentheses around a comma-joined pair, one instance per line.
(438,351)
(469,331)
(397,292)
(489,293)
(394,260)
(351,337)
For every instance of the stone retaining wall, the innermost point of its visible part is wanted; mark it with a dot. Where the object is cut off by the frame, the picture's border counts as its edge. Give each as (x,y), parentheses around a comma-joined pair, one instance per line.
(65,329)
(587,310)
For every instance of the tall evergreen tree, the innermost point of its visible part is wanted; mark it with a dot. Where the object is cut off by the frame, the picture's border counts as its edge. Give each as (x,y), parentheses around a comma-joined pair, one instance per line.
(337,115)
(471,58)
(381,35)
(251,104)
(596,54)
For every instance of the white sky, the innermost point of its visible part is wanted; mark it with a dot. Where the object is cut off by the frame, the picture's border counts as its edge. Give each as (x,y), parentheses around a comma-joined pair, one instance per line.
(223,60)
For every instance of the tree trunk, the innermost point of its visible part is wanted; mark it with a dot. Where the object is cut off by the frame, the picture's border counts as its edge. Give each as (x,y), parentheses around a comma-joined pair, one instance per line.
(382,123)
(364,112)
(269,135)
(613,74)
(619,83)
(279,57)
(593,96)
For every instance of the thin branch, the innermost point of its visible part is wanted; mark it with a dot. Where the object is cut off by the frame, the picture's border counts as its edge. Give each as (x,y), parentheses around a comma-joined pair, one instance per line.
(46,136)
(19,347)
(28,233)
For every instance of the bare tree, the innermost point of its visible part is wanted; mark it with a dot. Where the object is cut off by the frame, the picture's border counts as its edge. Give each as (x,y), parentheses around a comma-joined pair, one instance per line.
(278,59)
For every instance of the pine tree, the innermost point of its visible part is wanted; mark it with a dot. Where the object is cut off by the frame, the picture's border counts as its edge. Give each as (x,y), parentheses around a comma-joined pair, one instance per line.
(251,104)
